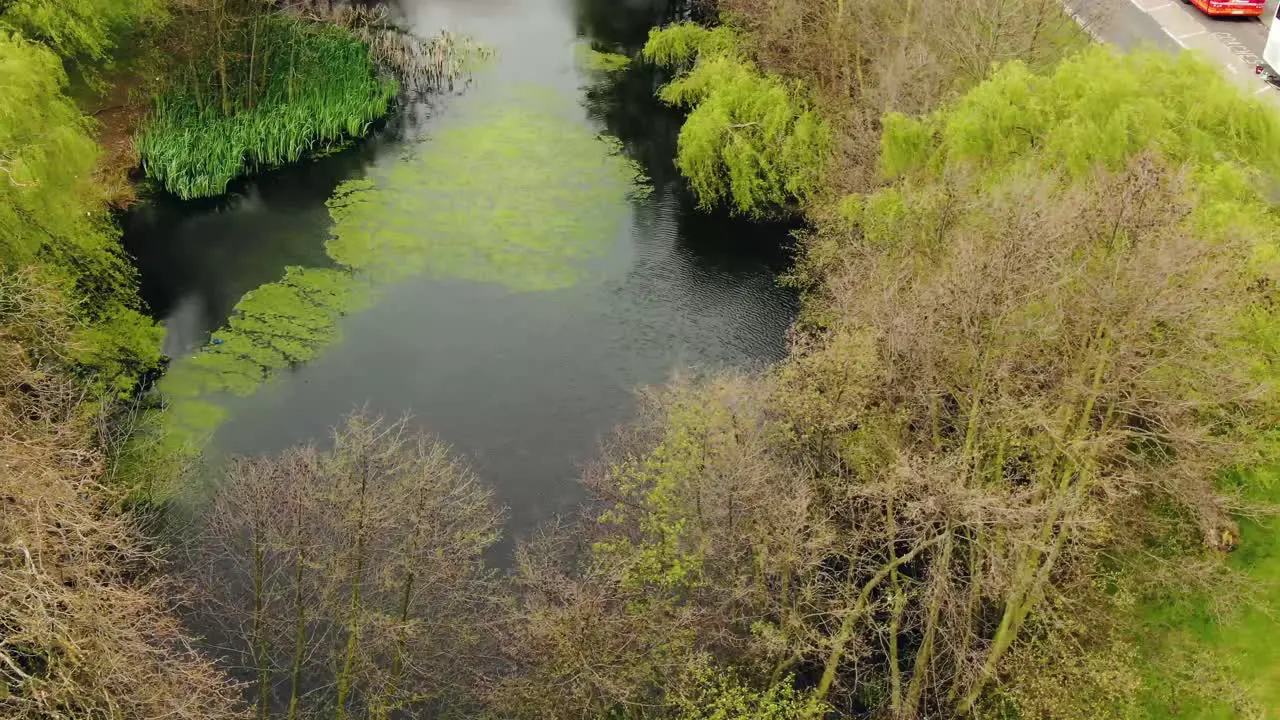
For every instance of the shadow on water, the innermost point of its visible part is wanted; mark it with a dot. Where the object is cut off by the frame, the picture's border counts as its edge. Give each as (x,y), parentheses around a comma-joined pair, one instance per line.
(527,384)
(624,26)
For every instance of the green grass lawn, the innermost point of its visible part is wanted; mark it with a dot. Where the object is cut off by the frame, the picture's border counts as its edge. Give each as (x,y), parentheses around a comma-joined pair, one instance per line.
(1224,666)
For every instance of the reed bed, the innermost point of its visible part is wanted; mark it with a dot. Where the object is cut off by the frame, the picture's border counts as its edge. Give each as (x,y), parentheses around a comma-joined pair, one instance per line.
(301,87)
(421,64)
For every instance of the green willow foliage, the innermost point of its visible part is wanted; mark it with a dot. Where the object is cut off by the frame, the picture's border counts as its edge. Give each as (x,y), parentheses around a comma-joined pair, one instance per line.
(321,87)
(751,139)
(1074,120)
(681,45)
(83,32)
(51,218)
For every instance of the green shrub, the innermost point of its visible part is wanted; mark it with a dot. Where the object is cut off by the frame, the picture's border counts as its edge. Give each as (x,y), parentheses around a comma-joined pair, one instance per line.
(716,693)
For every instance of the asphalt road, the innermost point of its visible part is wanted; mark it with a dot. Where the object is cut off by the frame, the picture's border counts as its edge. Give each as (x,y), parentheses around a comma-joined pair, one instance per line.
(1176,26)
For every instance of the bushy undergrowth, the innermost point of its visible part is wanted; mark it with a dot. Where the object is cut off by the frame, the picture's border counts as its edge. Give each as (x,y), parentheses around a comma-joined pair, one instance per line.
(85,630)
(1027,368)
(308,86)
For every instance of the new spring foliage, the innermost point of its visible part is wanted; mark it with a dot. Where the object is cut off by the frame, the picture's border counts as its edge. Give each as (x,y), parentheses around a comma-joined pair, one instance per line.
(751,139)
(51,217)
(83,32)
(1071,120)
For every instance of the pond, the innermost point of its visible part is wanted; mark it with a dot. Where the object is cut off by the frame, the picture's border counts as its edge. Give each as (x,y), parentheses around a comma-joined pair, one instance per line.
(508,263)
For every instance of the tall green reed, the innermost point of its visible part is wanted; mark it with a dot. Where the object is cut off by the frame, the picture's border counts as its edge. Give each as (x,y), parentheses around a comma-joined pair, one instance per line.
(299,87)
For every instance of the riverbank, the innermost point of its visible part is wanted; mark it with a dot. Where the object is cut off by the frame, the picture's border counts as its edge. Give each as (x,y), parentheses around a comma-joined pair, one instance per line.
(87,627)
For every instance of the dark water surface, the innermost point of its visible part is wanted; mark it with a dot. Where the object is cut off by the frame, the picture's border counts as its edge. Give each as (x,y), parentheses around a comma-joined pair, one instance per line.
(527,383)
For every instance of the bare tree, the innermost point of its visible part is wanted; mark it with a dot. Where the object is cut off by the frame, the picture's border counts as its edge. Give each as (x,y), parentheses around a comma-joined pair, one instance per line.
(358,570)
(85,622)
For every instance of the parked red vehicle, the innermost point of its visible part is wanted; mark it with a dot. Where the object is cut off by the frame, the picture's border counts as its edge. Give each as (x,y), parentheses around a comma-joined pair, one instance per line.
(1244,8)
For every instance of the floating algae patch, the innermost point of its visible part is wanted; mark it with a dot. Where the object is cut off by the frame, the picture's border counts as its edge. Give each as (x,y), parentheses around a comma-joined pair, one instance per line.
(592,60)
(520,196)
(273,327)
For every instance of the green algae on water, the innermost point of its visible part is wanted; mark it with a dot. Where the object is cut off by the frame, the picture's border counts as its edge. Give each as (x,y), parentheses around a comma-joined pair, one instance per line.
(274,327)
(520,196)
(592,60)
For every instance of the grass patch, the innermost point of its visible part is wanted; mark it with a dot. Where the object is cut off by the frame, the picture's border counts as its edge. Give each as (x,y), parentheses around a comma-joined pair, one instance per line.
(317,85)
(1207,665)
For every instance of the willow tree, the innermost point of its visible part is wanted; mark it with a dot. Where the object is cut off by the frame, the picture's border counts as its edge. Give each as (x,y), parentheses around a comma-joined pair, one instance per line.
(751,139)
(84,33)
(753,83)
(51,215)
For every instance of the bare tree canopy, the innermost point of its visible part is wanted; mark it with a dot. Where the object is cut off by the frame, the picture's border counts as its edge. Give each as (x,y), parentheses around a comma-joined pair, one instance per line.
(352,581)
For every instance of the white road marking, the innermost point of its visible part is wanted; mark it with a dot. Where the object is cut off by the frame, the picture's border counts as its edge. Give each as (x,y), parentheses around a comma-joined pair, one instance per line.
(1237,47)
(1190,34)
(1173,37)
